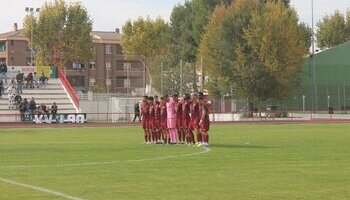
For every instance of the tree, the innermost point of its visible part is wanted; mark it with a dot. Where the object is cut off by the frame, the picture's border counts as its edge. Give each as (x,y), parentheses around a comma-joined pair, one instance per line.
(306,33)
(188,22)
(146,39)
(285,2)
(332,30)
(253,50)
(60,26)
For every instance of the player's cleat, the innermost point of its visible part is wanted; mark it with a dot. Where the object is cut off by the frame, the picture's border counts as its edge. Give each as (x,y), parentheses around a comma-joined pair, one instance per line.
(199,145)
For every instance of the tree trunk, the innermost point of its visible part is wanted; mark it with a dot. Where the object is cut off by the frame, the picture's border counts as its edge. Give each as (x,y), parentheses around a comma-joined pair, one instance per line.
(250,108)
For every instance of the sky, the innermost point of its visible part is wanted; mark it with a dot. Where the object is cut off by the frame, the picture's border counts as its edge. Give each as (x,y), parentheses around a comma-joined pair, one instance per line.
(111,14)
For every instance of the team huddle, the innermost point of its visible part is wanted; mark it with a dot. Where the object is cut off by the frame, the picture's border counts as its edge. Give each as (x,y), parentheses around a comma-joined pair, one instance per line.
(172,121)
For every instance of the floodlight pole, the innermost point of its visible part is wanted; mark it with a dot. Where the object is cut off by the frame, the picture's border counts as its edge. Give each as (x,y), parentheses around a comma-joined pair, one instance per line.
(314,87)
(32,11)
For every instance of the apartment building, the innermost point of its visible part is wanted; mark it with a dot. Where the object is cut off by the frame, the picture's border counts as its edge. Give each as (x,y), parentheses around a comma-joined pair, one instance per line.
(14,49)
(108,71)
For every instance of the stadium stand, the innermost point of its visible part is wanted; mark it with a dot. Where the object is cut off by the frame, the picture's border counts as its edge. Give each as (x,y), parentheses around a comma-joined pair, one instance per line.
(53,92)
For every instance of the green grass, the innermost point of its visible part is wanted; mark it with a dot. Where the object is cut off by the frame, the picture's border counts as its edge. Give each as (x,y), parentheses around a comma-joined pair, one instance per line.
(245,162)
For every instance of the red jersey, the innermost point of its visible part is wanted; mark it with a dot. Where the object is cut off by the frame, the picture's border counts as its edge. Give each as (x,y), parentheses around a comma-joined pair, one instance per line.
(163,116)
(200,108)
(205,122)
(145,111)
(163,112)
(151,112)
(157,110)
(195,110)
(178,110)
(178,113)
(145,114)
(186,107)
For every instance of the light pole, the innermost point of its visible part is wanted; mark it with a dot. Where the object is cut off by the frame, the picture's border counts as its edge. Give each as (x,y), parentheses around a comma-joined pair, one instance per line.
(32,11)
(314,87)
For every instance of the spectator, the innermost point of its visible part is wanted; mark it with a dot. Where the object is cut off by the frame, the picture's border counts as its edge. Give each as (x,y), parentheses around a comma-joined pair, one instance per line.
(32,107)
(43,79)
(11,92)
(35,81)
(22,109)
(38,111)
(44,109)
(29,80)
(19,79)
(137,112)
(18,100)
(54,109)
(1,88)
(3,72)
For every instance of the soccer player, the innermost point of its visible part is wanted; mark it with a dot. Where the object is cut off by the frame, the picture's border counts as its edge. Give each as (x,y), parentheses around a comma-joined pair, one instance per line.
(151,120)
(163,120)
(145,117)
(171,120)
(157,120)
(186,119)
(195,118)
(204,122)
(178,113)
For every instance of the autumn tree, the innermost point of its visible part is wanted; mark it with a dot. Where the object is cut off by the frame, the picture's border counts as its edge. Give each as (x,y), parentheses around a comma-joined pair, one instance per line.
(146,39)
(188,22)
(63,27)
(253,50)
(333,30)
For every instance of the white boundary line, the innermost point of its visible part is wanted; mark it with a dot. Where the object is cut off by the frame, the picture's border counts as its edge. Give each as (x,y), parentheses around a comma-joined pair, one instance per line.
(40,189)
(207,150)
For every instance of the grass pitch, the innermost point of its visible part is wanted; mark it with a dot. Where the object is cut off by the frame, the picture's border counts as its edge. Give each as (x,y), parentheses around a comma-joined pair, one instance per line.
(245,162)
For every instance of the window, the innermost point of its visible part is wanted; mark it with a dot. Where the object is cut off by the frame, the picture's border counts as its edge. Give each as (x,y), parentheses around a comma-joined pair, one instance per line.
(108,49)
(127,66)
(93,65)
(76,65)
(92,82)
(2,46)
(108,65)
(12,43)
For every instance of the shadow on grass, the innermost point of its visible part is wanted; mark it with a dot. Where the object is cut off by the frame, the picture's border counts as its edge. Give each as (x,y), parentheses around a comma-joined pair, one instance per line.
(240,146)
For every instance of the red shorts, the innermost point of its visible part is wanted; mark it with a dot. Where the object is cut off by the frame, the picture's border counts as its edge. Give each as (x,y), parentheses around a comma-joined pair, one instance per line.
(163,124)
(186,123)
(144,123)
(205,126)
(194,124)
(150,124)
(157,123)
(179,123)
